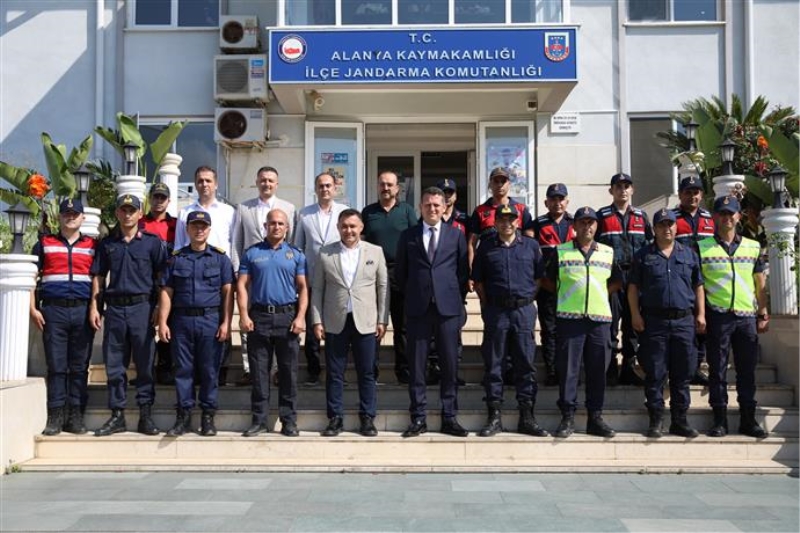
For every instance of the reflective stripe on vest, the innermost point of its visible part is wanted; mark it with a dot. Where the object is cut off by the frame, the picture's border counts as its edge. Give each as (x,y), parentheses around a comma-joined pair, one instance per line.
(582,284)
(729,284)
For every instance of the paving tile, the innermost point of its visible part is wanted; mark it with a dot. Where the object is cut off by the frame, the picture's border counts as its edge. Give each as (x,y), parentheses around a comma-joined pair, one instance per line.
(784,513)
(690,526)
(655,499)
(346,495)
(116,476)
(755,483)
(13,521)
(134,507)
(738,500)
(140,493)
(721,513)
(766,525)
(551,497)
(436,497)
(228,483)
(256,524)
(308,523)
(589,482)
(604,510)
(403,510)
(145,522)
(504,485)
(270,495)
(529,512)
(513,524)
(680,483)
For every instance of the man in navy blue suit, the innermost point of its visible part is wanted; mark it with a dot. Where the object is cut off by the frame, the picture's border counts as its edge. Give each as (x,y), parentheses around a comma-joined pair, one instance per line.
(432,271)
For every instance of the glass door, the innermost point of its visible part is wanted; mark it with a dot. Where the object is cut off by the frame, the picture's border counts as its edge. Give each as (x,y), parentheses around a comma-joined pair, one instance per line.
(509,145)
(407,166)
(336,148)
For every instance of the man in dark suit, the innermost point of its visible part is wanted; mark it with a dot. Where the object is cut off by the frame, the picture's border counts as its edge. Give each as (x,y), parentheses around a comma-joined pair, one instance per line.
(432,266)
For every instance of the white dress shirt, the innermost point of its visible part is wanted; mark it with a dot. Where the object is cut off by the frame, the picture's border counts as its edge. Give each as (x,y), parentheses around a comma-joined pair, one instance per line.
(349,258)
(223,217)
(426,235)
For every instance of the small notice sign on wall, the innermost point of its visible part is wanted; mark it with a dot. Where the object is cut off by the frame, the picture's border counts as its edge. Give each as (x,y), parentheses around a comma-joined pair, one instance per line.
(567,122)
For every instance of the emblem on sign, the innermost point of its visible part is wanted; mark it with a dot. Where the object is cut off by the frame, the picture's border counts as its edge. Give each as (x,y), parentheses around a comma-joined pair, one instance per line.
(292,48)
(556,45)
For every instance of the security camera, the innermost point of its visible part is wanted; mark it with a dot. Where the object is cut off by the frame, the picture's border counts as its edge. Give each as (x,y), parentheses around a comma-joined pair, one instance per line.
(532,106)
(318,103)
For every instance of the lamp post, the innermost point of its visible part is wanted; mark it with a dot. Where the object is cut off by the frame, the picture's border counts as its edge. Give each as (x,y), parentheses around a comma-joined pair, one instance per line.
(727,151)
(18,217)
(780,225)
(777,182)
(690,128)
(83,177)
(727,182)
(131,150)
(131,182)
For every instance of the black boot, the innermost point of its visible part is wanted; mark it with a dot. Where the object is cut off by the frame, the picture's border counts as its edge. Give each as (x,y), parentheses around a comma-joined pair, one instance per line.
(720,426)
(183,423)
(748,424)
(55,421)
(494,423)
(74,422)
(567,425)
(527,424)
(146,424)
(597,426)
(680,426)
(628,375)
(207,427)
(656,418)
(115,424)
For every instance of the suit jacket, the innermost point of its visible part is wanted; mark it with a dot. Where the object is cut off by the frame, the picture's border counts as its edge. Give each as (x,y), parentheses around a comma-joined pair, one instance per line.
(445,280)
(249,227)
(310,235)
(370,289)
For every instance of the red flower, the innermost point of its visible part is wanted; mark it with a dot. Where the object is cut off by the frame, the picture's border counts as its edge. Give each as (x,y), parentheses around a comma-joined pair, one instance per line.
(760,168)
(38,186)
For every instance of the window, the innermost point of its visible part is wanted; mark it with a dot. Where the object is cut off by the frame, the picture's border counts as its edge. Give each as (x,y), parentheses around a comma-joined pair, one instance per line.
(523,11)
(671,10)
(177,13)
(310,12)
(373,12)
(480,11)
(651,168)
(422,11)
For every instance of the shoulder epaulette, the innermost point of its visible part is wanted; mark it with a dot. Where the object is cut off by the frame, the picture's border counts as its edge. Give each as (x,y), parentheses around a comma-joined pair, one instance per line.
(637,211)
(604,210)
(542,219)
(218,249)
(704,213)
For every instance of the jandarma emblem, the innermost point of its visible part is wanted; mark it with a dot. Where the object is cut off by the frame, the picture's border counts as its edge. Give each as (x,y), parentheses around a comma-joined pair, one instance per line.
(556,45)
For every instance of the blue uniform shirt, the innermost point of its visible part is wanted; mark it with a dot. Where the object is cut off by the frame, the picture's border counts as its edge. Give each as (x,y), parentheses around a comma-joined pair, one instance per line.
(272,273)
(759,267)
(197,277)
(508,271)
(666,282)
(133,265)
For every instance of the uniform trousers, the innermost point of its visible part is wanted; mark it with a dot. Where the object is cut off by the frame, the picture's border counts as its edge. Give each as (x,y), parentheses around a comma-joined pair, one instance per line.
(337,346)
(67,341)
(272,336)
(587,341)
(128,333)
(667,350)
(509,332)
(397,303)
(445,330)
(723,332)
(546,304)
(196,351)
(312,345)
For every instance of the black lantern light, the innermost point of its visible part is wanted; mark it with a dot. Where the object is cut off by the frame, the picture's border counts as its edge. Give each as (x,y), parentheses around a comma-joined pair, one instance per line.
(727,151)
(18,217)
(690,128)
(83,177)
(777,182)
(131,151)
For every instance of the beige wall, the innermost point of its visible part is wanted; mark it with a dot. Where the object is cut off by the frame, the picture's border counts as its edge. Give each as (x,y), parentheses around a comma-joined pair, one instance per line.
(18,427)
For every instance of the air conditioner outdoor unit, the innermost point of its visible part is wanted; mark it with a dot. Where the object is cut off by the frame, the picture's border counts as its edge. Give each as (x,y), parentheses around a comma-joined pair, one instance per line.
(239,33)
(240,125)
(240,78)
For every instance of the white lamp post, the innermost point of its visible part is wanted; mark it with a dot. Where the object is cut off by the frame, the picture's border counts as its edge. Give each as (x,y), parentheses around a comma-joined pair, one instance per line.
(780,224)
(131,182)
(727,183)
(91,215)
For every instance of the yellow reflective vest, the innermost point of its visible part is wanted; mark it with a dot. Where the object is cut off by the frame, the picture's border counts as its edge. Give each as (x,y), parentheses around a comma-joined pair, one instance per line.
(583,284)
(729,284)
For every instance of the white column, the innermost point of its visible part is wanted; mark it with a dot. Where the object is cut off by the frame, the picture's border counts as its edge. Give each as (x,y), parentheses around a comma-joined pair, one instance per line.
(169,173)
(91,221)
(726,184)
(780,225)
(133,185)
(17,278)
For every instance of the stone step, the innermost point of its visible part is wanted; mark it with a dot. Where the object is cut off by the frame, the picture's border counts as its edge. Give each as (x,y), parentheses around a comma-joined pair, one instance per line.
(773,419)
(392,396)
(432,452)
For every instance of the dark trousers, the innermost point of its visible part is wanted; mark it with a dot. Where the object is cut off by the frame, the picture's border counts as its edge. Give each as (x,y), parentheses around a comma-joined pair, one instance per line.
(621,319)
(397,310)
(312,346)
(445,329)
(195,349)
(667,350)
(582,340)
(272,336)
(546,304)
(337,346)
(509,332)
(164,355)
(67,341)
(723,332)
(128,333)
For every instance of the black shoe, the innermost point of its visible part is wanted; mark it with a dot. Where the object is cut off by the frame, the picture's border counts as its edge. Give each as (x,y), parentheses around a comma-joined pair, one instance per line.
(183,423)
(450,426)
(289,429)
(335,426)
(55,421)
(656,419)
(146,425)
(748,424)
(598,427)
(417,428)
(207,427)
(527,424)
(245,381)
(256,429)
(719,428)
(402,377)
(115,424)
(566,427)
(682,429)
(311,380)
(367,428)
(74,423)
(699,378)
(222,377)
(494,421)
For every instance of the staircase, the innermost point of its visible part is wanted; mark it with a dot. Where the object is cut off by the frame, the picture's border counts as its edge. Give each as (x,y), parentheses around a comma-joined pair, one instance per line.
(629,451)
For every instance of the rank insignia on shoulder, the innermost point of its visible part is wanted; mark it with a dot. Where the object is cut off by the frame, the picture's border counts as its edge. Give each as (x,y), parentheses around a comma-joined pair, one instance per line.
(289,255)
(217,249)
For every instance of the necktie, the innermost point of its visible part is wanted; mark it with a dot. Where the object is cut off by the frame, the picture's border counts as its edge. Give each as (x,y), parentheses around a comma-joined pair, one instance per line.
(432,245)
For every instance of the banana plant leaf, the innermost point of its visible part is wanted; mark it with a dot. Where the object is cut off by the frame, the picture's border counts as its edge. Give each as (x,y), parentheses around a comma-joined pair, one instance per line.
(11,198)
(61,179)
(129,132)
(17,177)
(162,145)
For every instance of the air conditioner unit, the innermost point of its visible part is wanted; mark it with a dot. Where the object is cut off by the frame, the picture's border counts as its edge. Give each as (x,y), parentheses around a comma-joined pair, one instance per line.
(240,78)
(240,125)
(239,33)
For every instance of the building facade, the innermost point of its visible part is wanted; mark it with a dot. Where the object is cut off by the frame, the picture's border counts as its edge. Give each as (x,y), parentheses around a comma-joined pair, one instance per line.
(557,90)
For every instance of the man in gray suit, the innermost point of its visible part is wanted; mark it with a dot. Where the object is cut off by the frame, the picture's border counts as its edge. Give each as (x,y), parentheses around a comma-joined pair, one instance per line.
(317,226)
(350,309)
(251,216)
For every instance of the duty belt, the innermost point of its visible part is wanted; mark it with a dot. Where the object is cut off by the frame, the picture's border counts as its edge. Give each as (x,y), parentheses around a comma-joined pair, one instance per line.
(63,302)
(669,314)
(274,309)
(126,300)
(510,303)
(194,311)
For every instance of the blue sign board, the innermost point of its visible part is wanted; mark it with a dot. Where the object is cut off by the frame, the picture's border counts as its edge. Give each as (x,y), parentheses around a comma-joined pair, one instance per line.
(413,55)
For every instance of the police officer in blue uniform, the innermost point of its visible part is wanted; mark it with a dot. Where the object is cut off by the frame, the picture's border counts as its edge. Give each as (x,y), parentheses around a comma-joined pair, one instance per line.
(506,269)
(132,259)
(272,295)
(667,303)
(60,311)
(197,289)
